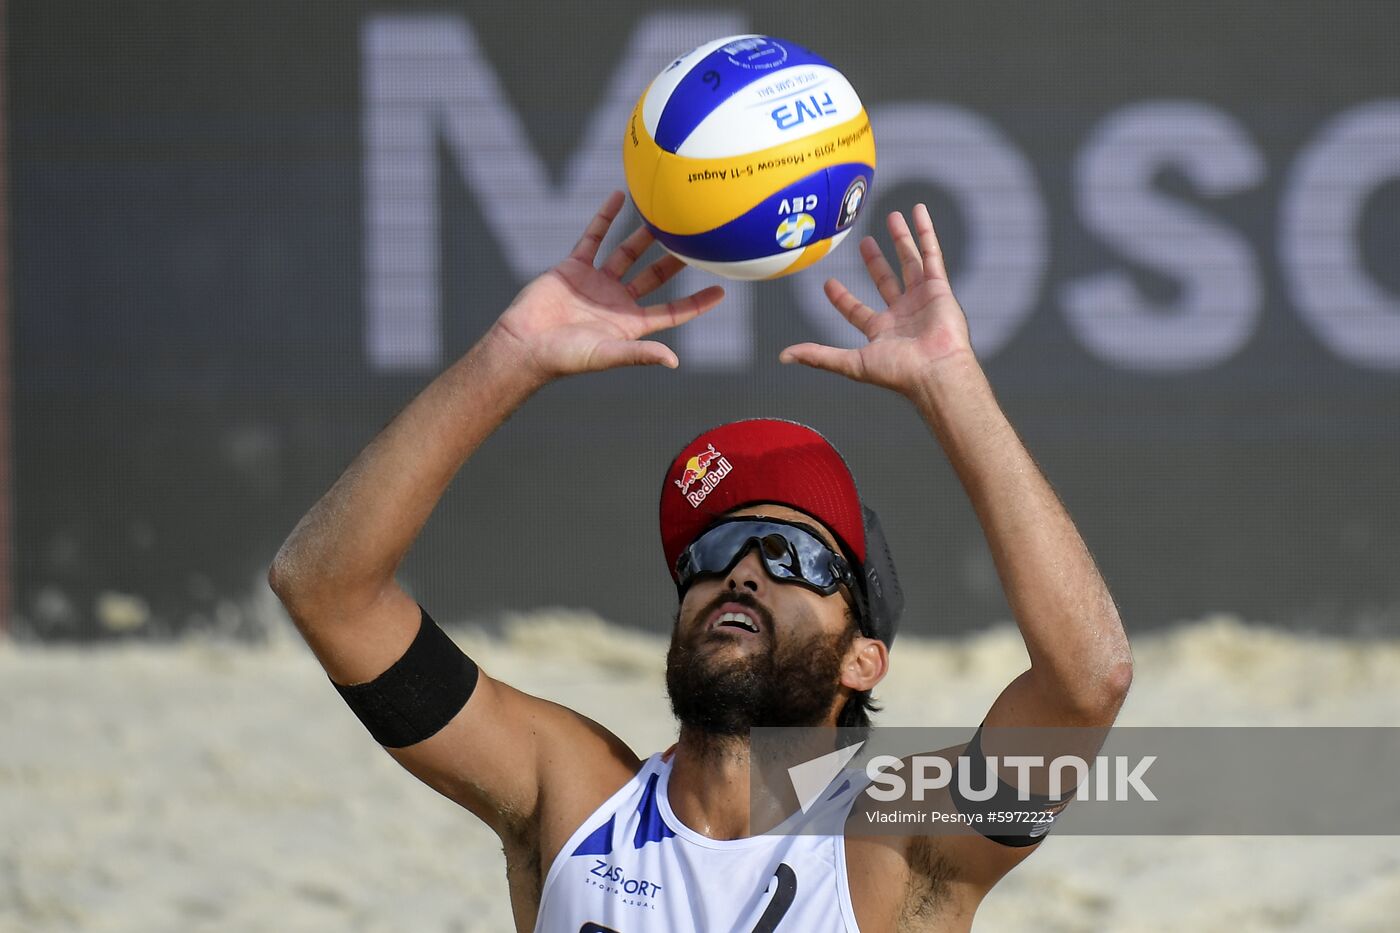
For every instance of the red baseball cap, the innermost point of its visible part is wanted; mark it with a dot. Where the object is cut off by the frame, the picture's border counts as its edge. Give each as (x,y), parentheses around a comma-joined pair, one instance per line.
(767,460)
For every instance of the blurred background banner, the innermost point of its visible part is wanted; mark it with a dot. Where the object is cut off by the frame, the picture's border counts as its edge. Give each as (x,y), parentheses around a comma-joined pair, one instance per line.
(242,236)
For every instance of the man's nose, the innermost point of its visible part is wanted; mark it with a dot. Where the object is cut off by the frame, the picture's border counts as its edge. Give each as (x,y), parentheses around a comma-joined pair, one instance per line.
(749,573)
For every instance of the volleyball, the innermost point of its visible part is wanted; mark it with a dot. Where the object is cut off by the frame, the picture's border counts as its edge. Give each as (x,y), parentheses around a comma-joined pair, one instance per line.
(749,157)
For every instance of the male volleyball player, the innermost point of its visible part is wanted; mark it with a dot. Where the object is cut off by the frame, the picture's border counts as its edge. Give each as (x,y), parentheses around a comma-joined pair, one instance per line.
(787,611)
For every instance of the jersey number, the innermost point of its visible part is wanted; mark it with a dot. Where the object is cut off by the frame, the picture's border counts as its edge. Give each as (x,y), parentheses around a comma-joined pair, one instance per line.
(784,888)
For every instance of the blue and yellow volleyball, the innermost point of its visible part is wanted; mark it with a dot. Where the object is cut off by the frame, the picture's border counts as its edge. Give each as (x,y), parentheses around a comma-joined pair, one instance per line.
(749,157)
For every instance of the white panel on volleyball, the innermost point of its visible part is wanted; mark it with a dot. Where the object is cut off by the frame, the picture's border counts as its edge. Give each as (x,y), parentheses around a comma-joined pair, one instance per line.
(660,91)
(764,267)
(786,105)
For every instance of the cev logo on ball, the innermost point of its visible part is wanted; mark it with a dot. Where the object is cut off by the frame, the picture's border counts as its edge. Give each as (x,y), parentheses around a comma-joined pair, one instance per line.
(796,230)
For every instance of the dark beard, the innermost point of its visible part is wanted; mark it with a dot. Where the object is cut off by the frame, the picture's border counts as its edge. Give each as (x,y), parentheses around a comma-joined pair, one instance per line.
(793,684)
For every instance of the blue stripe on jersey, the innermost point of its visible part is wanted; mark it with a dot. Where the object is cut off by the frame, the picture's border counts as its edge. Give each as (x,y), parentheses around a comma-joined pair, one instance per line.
(694,97)
(599,842)
(651,827)
(754,233)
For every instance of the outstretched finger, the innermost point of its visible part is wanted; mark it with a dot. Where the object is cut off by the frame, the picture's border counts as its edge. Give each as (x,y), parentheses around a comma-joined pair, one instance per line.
(675,313)
(906,249)
(628,252)
(842,362)
(851,307)
(929,249)
(880,272)
(654,276)
(586,250)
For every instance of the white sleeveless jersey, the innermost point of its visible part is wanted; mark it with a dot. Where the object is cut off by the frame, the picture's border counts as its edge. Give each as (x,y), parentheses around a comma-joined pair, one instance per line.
(632,867)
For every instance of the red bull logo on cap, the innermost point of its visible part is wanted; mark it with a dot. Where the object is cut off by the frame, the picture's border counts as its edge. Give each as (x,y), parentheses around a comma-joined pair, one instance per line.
(707,468)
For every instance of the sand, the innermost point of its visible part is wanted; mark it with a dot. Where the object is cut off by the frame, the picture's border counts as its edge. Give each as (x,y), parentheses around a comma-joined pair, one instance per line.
(216,786)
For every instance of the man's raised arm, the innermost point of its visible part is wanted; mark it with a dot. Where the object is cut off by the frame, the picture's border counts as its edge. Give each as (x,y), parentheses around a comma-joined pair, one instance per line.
(1080,662)
(1081,665)
(335,572)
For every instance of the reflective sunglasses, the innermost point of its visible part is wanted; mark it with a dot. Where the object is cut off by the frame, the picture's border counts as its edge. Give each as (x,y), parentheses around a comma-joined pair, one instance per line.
(792,553)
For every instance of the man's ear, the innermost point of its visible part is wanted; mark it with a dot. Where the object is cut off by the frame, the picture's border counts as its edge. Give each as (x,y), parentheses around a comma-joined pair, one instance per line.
(867,662)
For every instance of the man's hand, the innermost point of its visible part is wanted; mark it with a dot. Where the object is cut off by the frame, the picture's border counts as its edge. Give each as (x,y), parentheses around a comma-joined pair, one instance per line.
(922,326)
(579,318)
